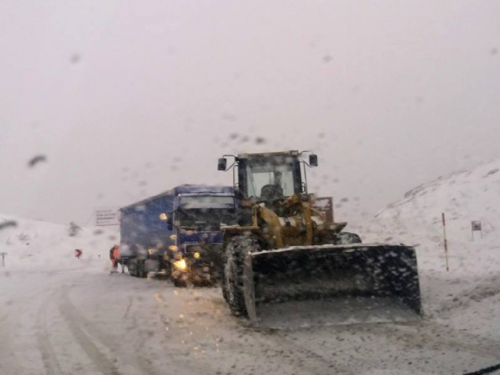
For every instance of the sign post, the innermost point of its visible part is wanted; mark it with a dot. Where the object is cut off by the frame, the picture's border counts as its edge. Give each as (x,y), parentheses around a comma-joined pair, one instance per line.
(445,242)
(107,216)
(476,227)
(3,258)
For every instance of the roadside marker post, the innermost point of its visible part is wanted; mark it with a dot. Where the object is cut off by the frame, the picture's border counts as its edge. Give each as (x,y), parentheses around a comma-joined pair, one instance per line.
(445,243)
(3,258)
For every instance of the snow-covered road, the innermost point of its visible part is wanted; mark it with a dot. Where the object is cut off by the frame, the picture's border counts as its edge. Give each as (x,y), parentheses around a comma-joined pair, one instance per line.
(85,321)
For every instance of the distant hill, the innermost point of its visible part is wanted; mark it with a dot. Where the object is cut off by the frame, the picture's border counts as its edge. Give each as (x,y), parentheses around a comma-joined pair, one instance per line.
(464,196)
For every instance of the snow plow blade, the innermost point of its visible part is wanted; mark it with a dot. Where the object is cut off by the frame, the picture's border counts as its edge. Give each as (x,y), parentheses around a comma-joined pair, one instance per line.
(277,282)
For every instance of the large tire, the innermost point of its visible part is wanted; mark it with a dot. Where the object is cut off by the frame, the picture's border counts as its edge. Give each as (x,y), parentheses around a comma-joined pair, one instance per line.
(223,283)
(347,238)
(232,284)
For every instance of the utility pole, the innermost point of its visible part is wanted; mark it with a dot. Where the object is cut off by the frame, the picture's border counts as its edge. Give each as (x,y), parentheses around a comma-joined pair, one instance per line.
(3,258)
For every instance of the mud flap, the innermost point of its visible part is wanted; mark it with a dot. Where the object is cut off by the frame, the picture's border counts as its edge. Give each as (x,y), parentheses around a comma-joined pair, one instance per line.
(322,273)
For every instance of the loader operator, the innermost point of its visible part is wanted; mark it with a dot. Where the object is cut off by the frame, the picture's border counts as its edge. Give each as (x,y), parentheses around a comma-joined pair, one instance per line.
(272,192)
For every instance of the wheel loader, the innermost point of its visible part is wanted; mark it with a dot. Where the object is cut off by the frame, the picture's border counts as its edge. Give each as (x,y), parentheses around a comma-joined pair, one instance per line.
(283,254)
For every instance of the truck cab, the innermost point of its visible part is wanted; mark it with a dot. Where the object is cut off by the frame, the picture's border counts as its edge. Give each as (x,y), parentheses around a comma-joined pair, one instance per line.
(197,222)
(177,233)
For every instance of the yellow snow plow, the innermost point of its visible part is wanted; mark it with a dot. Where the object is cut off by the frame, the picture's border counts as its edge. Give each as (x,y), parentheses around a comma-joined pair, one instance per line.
(286,258)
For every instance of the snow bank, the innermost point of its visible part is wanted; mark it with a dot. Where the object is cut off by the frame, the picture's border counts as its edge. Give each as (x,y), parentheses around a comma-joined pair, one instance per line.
(470,291)
(36,245)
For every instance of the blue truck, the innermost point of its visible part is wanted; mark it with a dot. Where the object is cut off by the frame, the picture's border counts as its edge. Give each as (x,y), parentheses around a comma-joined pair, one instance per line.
(177,233)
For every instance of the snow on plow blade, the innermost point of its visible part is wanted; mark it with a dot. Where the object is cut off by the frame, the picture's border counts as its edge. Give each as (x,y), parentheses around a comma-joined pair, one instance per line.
(278,282)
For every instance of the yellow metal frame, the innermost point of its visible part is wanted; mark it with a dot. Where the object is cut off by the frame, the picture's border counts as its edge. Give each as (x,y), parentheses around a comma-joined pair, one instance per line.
(279,236)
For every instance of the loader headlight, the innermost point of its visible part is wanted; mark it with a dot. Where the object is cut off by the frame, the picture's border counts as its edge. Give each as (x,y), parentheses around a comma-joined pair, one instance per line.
(196,255)
(181,265)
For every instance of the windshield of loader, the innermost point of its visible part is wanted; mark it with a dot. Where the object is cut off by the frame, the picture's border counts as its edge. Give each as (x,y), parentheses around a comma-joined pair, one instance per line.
(270,177)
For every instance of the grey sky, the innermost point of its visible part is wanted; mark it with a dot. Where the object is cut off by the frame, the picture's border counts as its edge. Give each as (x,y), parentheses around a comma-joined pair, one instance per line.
(389,93)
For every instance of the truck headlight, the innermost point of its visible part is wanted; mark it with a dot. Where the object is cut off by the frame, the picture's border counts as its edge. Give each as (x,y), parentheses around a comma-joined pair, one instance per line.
(196,255)
(180,265)
(173,248)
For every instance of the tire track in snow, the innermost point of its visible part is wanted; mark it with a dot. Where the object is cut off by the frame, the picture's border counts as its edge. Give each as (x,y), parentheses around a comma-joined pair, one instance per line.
(307,359)
(449,338)
(9,364)
(427,334)
(274,344)
(174,357)
(49,357)
(100,360)
(141,365)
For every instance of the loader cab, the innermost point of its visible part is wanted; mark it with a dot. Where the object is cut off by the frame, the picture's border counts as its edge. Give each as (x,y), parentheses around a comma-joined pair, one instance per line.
(269,176)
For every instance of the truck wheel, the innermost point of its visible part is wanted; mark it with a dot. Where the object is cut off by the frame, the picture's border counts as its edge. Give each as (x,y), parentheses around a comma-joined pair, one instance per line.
(141,273)
(132,267)
(233,272)
(346,238)
(151,265)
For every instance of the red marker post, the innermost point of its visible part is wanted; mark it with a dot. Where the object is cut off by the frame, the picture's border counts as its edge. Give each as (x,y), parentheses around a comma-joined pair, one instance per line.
(445,243)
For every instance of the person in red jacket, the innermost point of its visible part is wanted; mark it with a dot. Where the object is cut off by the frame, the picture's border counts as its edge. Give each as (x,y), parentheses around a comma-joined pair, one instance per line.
(114,255)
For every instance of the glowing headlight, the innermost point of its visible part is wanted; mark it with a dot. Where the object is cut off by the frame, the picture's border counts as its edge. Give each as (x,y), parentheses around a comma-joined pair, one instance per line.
(196,255)
(173,248)
(151,251)
(181,265)
(173,237)
(163,216)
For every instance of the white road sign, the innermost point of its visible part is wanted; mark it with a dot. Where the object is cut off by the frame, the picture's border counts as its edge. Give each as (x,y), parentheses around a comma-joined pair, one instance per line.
(107,216)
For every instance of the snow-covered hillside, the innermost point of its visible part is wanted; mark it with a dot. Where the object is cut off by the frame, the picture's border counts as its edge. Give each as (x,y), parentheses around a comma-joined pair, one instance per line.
(469,293)
(31,244)
(463,196)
